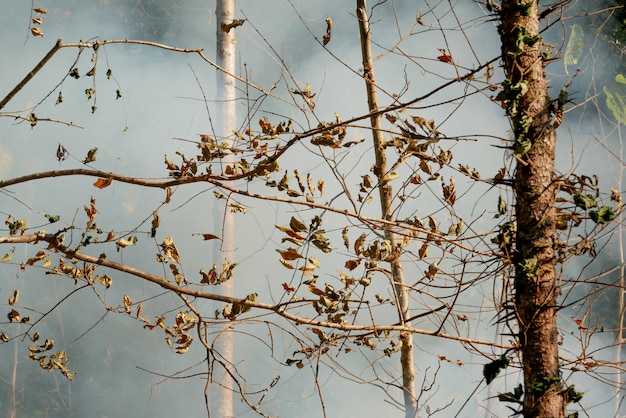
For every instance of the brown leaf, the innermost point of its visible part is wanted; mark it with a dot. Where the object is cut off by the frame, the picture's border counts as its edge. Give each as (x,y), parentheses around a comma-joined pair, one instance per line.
(425,167)
(101,183)
(315,290)
(266,126)
(170,165)
(289,231)
(288,288)
(13,316)
(423,251)
(329,27)
(358,244)
(226,27)
(449,192)
(169,249)
(352,264)
(444,57)
(207,237)
(39,10)
(500,174)
(289,254)
(91,211)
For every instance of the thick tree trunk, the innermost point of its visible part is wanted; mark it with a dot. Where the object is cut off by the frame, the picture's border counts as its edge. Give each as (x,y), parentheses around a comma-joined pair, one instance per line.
(226,124)
(536,290)
(386,200)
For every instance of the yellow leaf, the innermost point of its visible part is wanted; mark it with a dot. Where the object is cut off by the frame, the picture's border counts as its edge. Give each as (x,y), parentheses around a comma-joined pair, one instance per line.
(286,264)
(36,32)
(123,243)
(307,269)
(106,281)
(170,165)
(299,178)
(320,186)
(127,303)
(13,299)
(169,248)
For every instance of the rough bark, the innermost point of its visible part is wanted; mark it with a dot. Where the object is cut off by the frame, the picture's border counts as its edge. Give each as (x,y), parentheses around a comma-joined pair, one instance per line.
(226,124)
(386,199)
(536,289)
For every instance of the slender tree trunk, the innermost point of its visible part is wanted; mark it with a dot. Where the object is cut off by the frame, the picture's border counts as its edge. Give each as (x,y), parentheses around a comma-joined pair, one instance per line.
(386,199)
(621,308)
(536,290)
(226,124)
(12,409)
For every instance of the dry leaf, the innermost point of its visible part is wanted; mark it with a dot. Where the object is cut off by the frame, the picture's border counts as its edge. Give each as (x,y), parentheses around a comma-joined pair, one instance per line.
(101,183)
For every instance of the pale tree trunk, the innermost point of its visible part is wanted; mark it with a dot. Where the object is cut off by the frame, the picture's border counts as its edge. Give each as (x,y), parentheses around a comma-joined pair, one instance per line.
(226,124)
(536,289)
(12,409)
(621,304)
(386,199)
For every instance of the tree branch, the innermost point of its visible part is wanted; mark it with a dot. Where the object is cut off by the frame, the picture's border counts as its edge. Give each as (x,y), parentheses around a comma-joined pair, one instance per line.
(280,309)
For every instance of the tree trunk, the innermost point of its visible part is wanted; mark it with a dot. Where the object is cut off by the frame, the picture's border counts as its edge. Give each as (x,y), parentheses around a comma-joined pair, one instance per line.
(536,290)
(226,124)
(386,199)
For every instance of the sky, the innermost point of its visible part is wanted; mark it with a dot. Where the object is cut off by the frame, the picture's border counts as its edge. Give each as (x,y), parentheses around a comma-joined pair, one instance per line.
(167,101)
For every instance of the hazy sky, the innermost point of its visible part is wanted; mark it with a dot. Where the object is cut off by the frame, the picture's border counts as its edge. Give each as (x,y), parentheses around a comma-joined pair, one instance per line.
(163,102)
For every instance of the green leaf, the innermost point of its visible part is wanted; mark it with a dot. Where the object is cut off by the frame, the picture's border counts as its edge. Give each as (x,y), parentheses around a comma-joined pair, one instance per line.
(514,396)
(572,395)
(501,207)
(321,242)
(297,225)
(574,48)
(53,219)
(492,370)
(616,98)
(585,202)
(91,156)
(529,267)
(603,215)
(524,37)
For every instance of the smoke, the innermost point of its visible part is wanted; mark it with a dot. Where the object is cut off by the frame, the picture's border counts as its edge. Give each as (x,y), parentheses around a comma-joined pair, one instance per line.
(162,106)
